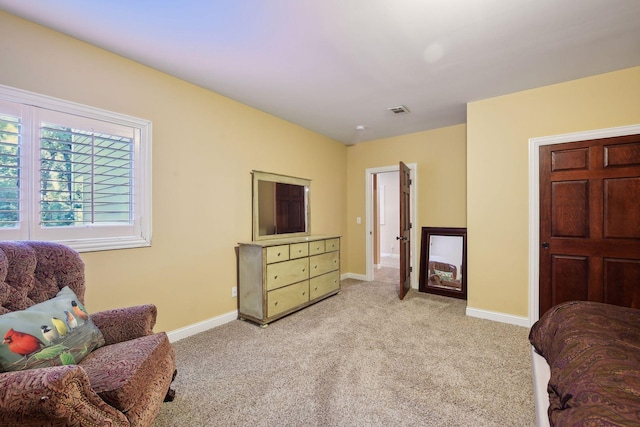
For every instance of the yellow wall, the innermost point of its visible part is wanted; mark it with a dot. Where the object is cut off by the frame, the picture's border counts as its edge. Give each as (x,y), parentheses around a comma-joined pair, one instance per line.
(498,132)
(440,158)
(204,147)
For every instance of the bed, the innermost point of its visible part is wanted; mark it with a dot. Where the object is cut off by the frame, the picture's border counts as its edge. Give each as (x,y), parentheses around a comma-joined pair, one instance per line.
(586,365)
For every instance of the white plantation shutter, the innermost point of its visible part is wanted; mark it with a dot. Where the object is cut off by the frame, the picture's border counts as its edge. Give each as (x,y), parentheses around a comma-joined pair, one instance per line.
(85,177)
(9,171)
(74,174)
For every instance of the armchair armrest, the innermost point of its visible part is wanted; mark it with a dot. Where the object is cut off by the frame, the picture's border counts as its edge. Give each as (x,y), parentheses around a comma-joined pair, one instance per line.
(124,324)
(59,395)
(435,278)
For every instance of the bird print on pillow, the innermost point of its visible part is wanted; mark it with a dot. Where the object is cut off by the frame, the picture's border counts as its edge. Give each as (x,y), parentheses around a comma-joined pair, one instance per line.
(72,323)
(79,310)
(60,326)
(21,343)
(50,334)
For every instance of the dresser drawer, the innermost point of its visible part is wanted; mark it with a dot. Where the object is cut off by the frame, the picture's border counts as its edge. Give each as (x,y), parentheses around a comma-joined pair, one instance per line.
(277,253)
(283,299)
(299,250)
(322,285)
(316,247)
(332,245)
(284,273)
(324,263)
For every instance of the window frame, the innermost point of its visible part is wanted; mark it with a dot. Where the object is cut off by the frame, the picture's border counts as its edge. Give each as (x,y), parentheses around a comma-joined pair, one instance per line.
(30,159)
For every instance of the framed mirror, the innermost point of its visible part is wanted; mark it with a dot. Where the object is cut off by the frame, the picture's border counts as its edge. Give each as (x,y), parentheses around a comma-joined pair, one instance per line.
(443,261)
(280,206)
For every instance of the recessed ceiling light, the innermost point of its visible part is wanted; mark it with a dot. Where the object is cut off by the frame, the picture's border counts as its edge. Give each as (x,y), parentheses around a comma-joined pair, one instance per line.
(398,109)
(360,128)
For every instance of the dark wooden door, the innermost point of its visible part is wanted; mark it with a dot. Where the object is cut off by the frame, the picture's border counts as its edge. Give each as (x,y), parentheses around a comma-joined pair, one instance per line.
(590,222)
(290,214)
(405,230)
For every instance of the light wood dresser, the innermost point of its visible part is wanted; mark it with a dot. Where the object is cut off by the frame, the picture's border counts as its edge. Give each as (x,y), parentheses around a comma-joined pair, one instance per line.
(280,276)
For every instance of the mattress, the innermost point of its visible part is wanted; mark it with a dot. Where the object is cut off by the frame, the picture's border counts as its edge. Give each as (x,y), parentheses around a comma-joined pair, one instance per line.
(541,375)
(593,353)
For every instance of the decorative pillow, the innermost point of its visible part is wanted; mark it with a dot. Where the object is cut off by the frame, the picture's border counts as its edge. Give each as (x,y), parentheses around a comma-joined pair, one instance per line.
(444,275)
(54,332)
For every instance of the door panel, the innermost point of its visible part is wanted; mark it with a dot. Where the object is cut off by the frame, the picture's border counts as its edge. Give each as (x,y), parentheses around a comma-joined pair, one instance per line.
(622,155)
(590,222)
(570,277)
(290,213)
(570,159)
(405,230)
(570,209)
(626,272)
(621,209)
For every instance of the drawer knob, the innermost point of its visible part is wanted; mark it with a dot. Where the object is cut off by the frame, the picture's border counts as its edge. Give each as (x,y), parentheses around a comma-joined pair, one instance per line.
(315,266)
(275,277)
(276,303)
(303,293)
(303,270)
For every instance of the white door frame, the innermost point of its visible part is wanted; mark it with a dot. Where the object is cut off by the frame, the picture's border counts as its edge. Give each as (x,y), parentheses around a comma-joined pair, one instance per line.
(534,200)
(413,214)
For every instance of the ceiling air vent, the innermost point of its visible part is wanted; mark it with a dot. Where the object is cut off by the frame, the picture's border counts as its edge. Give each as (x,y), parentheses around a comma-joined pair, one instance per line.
(400,109)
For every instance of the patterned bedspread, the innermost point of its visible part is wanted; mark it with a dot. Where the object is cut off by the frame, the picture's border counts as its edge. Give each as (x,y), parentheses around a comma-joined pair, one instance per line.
(593,351)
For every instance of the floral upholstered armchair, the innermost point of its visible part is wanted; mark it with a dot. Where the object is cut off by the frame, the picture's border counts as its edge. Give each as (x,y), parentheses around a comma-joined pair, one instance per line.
(60,366)
(443,274)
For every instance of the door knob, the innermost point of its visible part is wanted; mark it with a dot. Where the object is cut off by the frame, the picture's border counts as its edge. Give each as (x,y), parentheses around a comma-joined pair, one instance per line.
(401,238)
(545,245)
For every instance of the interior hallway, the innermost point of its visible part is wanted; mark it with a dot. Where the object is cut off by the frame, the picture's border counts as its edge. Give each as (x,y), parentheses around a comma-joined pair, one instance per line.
(389,271)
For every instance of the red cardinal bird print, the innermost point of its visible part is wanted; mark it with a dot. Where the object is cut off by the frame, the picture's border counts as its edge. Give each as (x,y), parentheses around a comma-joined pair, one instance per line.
(79,312)
(21,343)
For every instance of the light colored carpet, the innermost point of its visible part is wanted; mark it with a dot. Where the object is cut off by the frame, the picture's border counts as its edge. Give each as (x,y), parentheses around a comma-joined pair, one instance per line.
(360,358)
(387,274)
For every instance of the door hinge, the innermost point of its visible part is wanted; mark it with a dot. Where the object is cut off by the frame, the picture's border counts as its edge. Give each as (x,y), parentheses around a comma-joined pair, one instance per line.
(410,269)
(410,226)
(410,181)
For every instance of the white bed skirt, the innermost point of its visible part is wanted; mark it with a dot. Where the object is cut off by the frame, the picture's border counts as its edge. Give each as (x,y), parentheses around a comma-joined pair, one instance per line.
(541,376)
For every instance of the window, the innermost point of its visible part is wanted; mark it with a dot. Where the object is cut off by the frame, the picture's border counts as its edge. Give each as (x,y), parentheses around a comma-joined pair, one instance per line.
(73,174)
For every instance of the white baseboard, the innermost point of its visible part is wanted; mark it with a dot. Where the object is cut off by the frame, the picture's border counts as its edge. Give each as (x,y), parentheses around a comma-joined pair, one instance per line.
(353,276)
(498,317)
(196,328)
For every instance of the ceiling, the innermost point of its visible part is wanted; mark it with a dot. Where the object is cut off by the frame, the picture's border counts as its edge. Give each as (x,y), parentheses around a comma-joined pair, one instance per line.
(333,66)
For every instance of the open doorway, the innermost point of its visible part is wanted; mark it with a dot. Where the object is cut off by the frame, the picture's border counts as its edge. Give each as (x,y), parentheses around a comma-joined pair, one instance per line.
(372,228)
(386,248)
